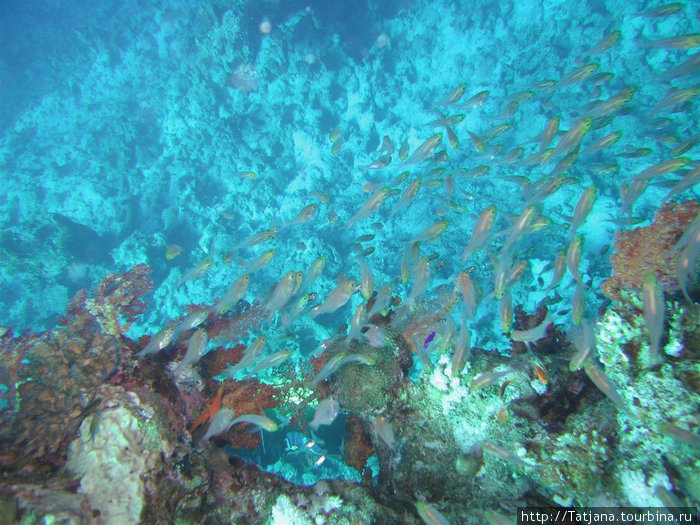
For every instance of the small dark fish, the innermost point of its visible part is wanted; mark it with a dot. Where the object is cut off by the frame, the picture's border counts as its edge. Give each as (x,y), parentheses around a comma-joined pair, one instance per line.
(548,301)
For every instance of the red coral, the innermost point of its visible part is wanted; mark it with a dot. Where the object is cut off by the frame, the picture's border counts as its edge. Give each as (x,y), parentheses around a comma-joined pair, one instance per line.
(115,303)
(217,360)
(318,362)
(236,324)
(248,397)
(646,249)
(358,443)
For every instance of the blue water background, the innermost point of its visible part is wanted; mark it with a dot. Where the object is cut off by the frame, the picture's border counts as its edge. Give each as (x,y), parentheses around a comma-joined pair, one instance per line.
(121,126)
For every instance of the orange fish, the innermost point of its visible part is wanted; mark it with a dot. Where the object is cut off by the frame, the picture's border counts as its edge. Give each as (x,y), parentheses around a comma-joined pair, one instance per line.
(478,143)
(476,101)
(210,412)
(541,374)
(502,390)
(578,75)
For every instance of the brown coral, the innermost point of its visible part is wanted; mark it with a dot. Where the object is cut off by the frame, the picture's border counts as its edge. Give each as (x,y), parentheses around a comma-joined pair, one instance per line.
(57,387)
(358,444)
(647,249)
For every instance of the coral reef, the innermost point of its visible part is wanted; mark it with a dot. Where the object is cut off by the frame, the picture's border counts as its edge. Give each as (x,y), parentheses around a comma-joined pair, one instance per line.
(120,432)
(375,232)
(55,375)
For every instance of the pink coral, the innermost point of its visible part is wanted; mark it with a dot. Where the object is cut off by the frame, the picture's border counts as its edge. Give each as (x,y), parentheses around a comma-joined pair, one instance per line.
(115,303)
(648,249)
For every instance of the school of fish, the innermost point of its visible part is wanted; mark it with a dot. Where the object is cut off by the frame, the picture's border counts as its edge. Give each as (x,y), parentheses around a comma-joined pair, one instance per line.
(479,252)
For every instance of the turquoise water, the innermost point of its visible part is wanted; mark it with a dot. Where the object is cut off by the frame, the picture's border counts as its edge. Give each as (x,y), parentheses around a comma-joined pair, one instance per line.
(194,137)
